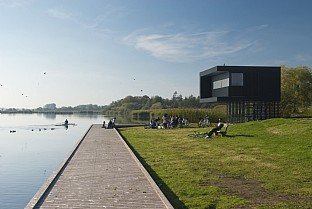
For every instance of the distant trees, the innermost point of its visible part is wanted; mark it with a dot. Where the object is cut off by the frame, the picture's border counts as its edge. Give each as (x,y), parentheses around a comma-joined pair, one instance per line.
(129,103)
(296,89)
(79,108)
(51,106)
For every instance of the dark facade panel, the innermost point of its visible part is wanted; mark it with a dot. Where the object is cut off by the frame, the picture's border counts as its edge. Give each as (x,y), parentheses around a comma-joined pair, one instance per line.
(221,92)
(205,87)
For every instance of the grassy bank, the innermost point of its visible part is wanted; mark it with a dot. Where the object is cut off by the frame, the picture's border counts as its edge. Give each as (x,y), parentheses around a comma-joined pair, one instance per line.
(264,164)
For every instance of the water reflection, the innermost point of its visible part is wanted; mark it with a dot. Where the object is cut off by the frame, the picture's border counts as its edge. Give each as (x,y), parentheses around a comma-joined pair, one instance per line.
(50,116)
(123,119)
(86,115)
(90,115)
(36,148)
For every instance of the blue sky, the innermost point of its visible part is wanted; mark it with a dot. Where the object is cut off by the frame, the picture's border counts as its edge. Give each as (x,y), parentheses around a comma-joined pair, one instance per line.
(73,52)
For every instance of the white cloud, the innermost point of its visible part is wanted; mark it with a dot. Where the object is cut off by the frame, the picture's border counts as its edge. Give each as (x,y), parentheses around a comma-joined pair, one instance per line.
(14,3)
(96,24)
(60,14)
(302,58)
(109,14)
(259,27)
(187,47)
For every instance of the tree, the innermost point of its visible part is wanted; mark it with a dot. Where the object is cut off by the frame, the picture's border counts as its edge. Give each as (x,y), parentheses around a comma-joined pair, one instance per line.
(51,106)
(157,105)
(190,102)
(175,100)
(296,89)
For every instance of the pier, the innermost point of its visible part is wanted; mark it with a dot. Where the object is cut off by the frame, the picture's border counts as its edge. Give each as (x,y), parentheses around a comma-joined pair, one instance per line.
(100,172)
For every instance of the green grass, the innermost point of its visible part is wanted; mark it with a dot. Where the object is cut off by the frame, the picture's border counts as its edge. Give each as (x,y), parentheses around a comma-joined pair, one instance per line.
(264,164)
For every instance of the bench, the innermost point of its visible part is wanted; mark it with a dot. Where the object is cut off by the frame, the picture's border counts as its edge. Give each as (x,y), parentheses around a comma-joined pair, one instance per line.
(222,131)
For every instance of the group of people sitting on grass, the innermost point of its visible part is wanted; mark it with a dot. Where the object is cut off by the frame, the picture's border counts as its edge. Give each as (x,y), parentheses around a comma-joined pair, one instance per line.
(168,121)
(176,121)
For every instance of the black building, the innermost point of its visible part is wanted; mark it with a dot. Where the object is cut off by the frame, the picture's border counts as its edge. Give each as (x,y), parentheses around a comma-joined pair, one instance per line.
(250,92)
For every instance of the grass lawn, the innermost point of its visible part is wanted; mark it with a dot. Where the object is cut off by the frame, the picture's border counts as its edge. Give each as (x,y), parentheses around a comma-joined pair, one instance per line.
(263,164)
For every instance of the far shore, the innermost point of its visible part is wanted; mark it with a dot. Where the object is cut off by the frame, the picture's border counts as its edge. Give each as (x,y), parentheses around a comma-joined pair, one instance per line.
(50,112)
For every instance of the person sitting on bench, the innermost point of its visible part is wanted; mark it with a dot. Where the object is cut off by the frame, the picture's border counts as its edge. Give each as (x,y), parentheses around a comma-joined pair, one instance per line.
(214,130)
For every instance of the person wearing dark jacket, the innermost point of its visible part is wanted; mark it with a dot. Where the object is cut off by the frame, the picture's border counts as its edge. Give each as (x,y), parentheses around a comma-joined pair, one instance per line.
(215,129)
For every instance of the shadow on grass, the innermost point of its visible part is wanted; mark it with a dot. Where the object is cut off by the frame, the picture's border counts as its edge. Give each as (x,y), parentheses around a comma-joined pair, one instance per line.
(240,135)
(170,195)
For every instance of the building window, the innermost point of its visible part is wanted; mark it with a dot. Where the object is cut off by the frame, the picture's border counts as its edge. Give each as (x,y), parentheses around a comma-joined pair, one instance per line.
(237,79)
(221,83)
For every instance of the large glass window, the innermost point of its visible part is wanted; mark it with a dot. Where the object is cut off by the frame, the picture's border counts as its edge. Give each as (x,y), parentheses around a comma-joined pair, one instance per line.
(237,79)
(217,84)
(221,83)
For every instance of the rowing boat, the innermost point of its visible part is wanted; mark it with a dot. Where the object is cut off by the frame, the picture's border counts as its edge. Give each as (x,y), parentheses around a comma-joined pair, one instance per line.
(66,124)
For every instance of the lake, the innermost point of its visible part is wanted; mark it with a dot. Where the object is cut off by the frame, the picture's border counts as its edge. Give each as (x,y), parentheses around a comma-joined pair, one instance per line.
(38,146)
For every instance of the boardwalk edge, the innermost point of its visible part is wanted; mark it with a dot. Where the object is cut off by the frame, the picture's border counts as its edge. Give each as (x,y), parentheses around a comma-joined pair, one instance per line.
(45,188)
(147,175)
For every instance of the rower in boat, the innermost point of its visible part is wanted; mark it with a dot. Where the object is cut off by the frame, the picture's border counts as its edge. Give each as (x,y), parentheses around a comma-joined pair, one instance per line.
(66,124)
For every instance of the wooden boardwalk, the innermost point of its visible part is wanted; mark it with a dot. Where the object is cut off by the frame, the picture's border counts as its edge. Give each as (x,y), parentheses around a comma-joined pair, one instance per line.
(102,172)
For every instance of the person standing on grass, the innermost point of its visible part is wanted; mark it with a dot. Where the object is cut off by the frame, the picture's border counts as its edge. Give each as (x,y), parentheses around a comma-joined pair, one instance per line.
(215,129)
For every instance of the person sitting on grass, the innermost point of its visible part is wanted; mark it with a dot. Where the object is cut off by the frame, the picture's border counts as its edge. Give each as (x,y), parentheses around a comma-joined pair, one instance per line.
(165,120)
(215,129)
(174,121)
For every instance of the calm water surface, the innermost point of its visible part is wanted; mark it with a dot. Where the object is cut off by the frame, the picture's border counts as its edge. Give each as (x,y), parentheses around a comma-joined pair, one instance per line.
(30,155)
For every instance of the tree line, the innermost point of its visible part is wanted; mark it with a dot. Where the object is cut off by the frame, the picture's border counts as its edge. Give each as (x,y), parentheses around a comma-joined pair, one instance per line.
(130,103)
(52,108)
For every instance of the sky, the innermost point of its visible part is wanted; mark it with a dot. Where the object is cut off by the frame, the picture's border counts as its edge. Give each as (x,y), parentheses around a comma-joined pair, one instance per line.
(74,52)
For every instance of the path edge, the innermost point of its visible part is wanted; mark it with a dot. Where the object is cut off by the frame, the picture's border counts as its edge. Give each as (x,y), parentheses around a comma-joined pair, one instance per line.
(146,174)
(49,183)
